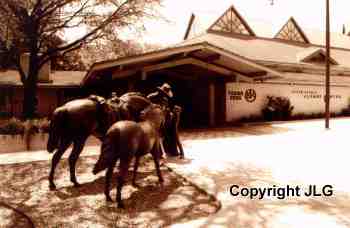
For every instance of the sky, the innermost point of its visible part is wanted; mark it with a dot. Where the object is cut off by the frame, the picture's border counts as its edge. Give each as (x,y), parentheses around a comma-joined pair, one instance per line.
(308,14)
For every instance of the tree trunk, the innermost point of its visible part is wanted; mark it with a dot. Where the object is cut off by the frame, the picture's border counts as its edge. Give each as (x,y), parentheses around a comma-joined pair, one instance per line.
(30,100)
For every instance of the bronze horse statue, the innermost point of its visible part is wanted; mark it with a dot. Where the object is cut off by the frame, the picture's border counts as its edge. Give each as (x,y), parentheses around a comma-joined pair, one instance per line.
(128,139)
(76,120)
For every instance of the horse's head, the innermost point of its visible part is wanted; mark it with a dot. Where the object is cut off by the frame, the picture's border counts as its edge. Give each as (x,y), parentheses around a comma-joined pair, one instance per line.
(154,113)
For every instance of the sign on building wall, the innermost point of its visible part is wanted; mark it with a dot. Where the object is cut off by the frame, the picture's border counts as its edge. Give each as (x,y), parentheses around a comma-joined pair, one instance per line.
(245,100)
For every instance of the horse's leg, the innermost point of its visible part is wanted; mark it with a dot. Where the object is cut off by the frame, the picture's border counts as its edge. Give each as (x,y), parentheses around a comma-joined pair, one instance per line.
(109,174)
(56,158)
(73,157)
(123,171)
(161,148)
(136,166)
(179,144)
(156,153)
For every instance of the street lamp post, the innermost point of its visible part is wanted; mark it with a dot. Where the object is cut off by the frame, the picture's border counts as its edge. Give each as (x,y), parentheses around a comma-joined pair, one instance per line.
(327,97)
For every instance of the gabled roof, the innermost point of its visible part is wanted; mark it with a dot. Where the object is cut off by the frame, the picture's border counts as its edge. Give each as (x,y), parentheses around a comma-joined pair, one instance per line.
(314,55)
(268,50)
(291,31)
(264,29)
(231,22)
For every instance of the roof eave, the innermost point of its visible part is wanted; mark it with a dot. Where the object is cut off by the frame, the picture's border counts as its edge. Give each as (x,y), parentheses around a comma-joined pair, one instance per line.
(186,48)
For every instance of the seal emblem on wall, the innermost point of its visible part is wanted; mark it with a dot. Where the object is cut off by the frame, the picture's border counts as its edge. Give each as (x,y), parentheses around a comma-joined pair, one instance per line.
(250,95)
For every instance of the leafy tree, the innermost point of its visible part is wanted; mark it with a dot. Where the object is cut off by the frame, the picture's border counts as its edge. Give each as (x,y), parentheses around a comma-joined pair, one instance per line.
(31,25)
(113,48)
(70,61)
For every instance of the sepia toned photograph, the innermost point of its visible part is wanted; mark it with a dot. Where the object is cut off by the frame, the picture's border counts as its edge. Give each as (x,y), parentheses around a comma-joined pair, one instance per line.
(173,113)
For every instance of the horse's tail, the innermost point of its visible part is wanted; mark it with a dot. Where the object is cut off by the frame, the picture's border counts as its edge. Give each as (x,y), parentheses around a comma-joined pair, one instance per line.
(59,118)
(108,153)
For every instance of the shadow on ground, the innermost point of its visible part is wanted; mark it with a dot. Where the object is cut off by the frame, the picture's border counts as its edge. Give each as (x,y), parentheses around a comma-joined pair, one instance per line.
(248,213)
(25,200)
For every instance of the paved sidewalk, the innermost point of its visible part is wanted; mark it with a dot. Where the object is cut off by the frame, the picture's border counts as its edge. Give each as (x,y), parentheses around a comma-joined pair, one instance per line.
(298,154)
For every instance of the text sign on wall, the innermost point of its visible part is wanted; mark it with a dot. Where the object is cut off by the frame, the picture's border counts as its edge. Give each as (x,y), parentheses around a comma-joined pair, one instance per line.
(235,94)
(249,95)
(313,94)
(246,99)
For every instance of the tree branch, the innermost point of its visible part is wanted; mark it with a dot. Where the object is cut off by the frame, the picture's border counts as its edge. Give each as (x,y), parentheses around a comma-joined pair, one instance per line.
(88,35)
(37,7)
(54,6)
(45,60)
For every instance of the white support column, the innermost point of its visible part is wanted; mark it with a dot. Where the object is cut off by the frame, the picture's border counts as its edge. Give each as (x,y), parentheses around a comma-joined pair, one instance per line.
(211,104)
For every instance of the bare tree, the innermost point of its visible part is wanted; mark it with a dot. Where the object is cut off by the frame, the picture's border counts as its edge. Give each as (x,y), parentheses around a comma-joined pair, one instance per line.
(30,25)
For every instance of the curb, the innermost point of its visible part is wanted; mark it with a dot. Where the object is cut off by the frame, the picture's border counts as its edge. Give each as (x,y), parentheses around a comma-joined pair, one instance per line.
(200,189)
(287,121)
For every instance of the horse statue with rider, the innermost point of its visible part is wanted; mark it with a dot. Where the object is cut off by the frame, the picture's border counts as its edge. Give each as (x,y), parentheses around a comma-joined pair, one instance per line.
(73,122)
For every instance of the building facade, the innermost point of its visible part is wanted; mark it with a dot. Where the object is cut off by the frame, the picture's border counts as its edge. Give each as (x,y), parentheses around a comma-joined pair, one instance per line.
(60,87)
(225,71)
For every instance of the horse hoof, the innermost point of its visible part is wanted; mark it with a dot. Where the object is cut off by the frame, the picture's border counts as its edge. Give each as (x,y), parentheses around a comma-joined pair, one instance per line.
(135,185)
(77,185)
(52,186)
(121,206)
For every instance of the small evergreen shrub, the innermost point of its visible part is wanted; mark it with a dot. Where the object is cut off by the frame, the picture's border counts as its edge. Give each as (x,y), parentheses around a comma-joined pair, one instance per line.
(277,108)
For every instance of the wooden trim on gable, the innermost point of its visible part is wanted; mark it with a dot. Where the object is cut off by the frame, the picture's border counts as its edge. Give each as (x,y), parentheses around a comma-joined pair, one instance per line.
(233,12)
(297,27)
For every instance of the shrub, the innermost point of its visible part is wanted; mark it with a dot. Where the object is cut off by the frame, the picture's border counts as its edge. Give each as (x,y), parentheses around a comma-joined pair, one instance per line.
(277,108)
(12,127)
(44,125)
(31,127)
(15,126)
(5,115)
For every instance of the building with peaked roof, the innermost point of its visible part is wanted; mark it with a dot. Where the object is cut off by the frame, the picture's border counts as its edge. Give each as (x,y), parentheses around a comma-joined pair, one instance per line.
(225,71)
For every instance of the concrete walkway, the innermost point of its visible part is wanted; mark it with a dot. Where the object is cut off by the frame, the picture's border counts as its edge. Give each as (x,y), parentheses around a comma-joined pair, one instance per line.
(296,154)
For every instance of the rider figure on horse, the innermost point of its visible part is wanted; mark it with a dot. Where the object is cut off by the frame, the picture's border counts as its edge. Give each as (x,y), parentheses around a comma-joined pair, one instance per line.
(163,96)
